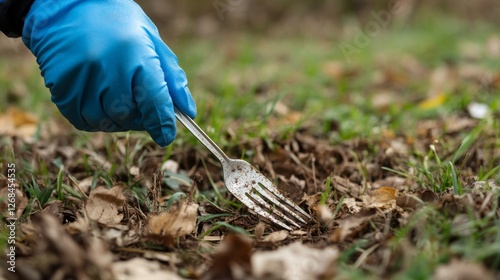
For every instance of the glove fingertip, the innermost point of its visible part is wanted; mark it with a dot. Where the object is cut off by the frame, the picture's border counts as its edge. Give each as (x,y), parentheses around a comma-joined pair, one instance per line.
(163,136)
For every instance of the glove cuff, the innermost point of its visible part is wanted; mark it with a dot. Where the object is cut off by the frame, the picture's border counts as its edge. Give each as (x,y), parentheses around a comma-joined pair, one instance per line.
(12,14)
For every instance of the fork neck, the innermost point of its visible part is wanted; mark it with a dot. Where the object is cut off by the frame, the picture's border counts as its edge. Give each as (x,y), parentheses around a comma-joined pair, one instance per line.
(201,136)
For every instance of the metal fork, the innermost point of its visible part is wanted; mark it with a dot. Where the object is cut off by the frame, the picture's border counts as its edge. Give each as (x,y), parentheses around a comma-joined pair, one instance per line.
(249,185)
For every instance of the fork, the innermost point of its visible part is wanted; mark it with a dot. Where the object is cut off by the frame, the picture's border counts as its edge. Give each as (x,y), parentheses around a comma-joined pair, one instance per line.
(248,185)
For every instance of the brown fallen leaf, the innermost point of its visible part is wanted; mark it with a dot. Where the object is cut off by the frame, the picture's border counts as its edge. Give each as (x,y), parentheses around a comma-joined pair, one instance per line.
(409,201)
(120,235)
(285,116)
(352,205)
(179,221)
(276,236)
(106,205)
(381,197)
(346,187)
(294,261)
(259,230)
(232,260)
(352,225)
(16,122)
(58,255)
(462,270)
(337,70)
(415,201)
(20,200)
(139,268)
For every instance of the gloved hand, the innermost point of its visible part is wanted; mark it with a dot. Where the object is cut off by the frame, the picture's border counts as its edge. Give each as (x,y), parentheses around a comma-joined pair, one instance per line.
(107,67)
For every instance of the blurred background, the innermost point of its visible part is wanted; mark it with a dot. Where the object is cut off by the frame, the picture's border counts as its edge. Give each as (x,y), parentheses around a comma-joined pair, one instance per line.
(326,18)
(367,59)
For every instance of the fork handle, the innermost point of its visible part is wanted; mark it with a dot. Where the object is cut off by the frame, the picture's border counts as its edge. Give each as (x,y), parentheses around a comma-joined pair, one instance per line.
(201,135)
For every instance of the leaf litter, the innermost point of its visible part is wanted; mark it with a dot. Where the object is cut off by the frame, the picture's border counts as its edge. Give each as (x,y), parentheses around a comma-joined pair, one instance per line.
(368,196)
(121,239)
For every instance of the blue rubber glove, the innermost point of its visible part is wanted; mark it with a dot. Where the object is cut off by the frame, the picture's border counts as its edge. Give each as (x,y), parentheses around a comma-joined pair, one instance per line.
(107,67)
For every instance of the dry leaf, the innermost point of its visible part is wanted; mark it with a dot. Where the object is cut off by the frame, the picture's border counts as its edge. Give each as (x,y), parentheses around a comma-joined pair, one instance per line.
(164,257)
(15,122)
(276,236)
(134,171)
(337,70)
(345,187)
(299,232)
(461,270)
(120,235)
(69,251)
(351,204)
(179,221)
(20,200)
(85,184)
(351,225)
(324,213)
(409,202)
(285,116)
(170,165)
(381,197)
(397,147)
(58,255)
(259,230)
(393,181)
(232,260)
(433,102)
(105,206)
(139,268)
(294,261)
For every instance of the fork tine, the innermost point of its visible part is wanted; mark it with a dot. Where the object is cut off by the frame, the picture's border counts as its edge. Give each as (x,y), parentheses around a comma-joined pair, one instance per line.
(273,210)
(270,211)
(259,210)
(272,189)
(265,193)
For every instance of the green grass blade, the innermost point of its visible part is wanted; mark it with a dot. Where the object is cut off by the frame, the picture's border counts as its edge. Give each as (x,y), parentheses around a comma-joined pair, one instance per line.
(175,197)
(218,225)
(489,174)
(326,193)
(456,186)
(59,184)
(213,216)
(466,143)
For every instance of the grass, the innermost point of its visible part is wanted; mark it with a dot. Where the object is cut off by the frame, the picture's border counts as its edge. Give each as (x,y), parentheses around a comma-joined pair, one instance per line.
(237,83)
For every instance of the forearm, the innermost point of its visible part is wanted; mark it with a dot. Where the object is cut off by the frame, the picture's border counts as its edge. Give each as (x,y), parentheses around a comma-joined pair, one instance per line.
(12,14)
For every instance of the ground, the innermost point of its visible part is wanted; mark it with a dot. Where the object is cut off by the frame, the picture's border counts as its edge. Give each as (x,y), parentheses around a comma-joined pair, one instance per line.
(390,140)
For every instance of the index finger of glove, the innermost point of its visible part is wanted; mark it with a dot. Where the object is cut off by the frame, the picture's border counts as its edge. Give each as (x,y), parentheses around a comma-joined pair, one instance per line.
(176,80)
(154,102)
